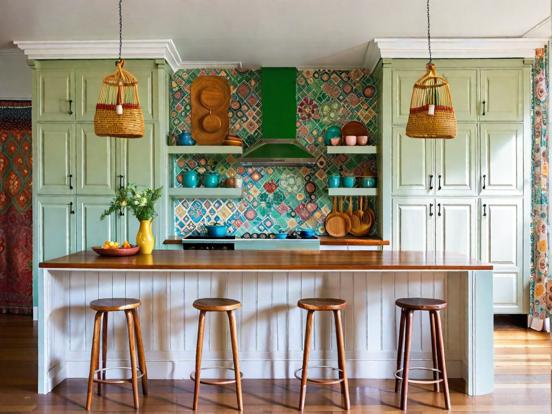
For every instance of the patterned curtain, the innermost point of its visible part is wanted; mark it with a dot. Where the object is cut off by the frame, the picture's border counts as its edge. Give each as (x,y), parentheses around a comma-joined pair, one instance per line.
(540,283)
(16,276)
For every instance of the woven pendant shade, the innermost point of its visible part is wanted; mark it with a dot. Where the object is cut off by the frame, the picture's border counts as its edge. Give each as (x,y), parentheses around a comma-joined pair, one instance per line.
(431,112)
(118,111)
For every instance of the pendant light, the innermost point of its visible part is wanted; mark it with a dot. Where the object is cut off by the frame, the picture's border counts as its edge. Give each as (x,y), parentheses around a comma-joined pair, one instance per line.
(118,111)
(431,112)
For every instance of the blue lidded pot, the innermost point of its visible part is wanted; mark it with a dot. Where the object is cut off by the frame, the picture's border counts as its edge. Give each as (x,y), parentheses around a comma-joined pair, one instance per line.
(190,179)
(211,179)
(307,233)
(216,230)
(348,181)
(185,138)
(334,181)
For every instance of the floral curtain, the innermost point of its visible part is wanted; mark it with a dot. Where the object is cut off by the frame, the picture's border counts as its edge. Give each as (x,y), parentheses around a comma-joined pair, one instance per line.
(16,276)
(540,283)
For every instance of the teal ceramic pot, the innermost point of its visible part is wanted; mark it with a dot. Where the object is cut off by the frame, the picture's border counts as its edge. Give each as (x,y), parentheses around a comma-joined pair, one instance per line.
(332,132)
(190,179)
(211,179)
(185,138)
(348,181)
(368,182)
(334,181)
(216,230)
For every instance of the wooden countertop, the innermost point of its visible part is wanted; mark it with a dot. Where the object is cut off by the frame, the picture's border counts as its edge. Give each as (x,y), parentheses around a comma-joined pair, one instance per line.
(268,260)
(324,240)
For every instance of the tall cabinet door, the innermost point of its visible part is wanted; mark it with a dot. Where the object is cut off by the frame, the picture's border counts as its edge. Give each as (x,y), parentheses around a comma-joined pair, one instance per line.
(136,166)
(501,159)
(413,224)
(55,165)
(95,161)
(412,164)
(455,163)
(55,89)
(501,95)
(91,229)
(502,246)
(56,226)
(456,226)
(463,84)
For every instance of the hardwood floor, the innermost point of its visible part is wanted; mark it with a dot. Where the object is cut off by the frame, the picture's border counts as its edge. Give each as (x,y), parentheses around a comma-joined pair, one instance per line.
(522,360)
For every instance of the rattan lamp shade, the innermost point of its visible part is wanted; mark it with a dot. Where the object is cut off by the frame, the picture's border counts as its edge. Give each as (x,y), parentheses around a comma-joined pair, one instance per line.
(431,111)
(118,111)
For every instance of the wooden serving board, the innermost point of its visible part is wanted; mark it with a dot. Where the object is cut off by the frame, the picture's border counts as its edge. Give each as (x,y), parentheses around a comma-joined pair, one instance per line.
(210,102)
(354,128)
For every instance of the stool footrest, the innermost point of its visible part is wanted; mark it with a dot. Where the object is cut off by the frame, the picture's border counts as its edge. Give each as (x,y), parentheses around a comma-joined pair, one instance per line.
(321,381)
(140,374)
(215,381)
(415,381)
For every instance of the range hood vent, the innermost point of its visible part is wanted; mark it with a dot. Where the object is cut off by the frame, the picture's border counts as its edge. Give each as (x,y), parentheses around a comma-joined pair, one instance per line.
(278,147)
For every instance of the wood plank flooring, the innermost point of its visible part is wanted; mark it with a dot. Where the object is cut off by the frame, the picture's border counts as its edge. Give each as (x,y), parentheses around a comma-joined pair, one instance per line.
(522,361)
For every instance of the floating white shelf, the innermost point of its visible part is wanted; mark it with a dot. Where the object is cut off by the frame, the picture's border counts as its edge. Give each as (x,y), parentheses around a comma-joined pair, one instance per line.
(341,191)
(202,192)
(351,149)
(204,149)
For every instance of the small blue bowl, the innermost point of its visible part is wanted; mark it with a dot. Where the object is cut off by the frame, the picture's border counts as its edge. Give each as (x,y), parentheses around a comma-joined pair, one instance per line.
(307,233)
(368,182)
(348,181)
(280,236)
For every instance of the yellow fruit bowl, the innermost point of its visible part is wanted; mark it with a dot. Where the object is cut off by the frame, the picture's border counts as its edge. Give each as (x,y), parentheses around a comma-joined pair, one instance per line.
(116,251)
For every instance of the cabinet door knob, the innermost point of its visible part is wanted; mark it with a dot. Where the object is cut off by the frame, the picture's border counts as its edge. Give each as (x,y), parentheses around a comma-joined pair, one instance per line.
(439,209)
(71,210)
(430,209)
(431,181)
(70,106)
(484,181)
(483,107)
(70,181)
(484,210)
(439,182)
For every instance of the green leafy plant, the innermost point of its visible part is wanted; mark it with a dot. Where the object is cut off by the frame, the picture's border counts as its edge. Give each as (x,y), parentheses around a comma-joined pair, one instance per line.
(141,203)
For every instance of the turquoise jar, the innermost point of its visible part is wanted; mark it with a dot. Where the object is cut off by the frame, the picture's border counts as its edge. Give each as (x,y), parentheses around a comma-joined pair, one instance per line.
(190,179)
(211,179)
(368,182)
(348,181)
(334,181)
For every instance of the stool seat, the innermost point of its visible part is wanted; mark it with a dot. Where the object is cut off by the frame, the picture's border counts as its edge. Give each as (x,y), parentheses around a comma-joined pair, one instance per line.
(421,304)
(322,304)
(114,304)
(216,304)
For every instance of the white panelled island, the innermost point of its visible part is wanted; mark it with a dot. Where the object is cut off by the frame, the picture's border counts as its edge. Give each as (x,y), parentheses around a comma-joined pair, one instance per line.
(270,325)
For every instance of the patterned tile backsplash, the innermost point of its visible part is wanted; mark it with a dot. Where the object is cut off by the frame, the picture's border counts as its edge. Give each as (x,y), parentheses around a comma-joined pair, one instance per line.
(274,198)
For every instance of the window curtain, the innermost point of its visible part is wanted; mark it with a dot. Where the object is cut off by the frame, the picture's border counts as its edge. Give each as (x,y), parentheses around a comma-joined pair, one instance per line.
(16,275)
(540,282)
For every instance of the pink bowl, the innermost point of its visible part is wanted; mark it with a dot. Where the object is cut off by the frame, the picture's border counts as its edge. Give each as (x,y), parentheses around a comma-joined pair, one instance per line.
(362,140)
(350,140)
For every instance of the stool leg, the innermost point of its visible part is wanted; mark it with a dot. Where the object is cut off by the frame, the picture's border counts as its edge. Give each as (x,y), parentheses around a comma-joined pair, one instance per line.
(141,354)
(406,362)
(306,350)
(342,363)
(94,355)
(199,349)
(234,338)
(104,351)
(132,349)
(400,348)
(441,353)
(436,387)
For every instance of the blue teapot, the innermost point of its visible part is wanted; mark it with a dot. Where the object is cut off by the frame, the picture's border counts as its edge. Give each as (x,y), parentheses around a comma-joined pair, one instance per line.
(185,138)
(190,179)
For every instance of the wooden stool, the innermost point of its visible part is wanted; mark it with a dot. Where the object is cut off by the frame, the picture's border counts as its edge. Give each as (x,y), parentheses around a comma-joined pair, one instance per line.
(217,305)
(324,304)
(433,306)
(102,308)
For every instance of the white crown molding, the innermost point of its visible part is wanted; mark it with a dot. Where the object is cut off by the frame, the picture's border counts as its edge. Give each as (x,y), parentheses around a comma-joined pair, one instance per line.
(459,48)
(208,64)
(101,49)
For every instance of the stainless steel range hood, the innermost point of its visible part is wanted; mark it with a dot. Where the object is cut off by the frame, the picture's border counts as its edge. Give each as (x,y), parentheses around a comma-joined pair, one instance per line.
(278,147)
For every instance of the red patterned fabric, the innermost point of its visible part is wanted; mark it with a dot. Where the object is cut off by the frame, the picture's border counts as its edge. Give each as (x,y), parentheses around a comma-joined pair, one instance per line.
(16,275)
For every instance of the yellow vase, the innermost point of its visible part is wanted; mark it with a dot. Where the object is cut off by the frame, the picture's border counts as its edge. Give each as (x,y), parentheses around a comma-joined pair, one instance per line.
(144,237)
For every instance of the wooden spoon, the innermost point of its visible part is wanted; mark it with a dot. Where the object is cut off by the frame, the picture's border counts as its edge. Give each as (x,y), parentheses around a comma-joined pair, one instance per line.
(359,212)
(345,216)
(355,220)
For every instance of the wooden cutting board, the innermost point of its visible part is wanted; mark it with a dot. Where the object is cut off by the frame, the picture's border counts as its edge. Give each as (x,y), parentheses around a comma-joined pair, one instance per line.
(210,103)
(335,224)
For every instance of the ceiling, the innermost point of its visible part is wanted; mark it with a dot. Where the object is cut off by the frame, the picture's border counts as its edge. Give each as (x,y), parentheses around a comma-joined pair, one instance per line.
(270,33)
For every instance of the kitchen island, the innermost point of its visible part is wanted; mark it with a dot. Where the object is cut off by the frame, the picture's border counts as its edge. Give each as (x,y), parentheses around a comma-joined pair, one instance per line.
(270,326)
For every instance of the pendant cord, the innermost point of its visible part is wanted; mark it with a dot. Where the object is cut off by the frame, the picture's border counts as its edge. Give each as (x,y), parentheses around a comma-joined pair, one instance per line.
(121,29)
(429,34)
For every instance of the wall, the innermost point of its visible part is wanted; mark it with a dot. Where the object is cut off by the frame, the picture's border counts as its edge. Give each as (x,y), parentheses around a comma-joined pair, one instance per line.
(15,75)
(274,198)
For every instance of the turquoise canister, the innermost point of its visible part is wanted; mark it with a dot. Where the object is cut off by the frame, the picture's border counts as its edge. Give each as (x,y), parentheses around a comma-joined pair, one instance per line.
(368,182)
(334,181)
(348,181)
(211,179)
(190,179)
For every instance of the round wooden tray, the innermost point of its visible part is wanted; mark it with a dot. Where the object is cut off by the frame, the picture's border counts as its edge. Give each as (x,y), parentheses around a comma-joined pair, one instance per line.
(117,252)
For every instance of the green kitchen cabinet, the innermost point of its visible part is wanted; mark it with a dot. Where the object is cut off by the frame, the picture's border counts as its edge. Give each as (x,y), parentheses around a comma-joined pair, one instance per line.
(501,94)
(463,86)
(55,219)
(403,81)
(55,161)
(136,158)
(91,229)
(55,95)
(96,162)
